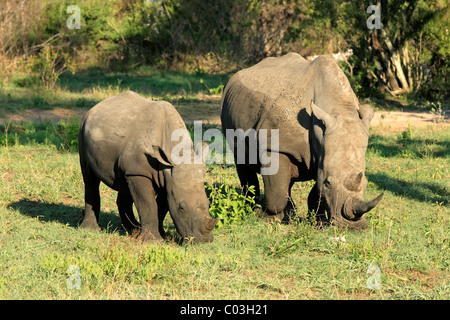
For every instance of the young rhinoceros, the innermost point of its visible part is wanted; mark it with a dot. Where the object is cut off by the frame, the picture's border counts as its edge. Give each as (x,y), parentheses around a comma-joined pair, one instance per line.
(126,142)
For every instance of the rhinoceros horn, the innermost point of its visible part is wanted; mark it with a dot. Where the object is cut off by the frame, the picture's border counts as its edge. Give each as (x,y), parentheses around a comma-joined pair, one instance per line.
(355,208)
(210,223)
(354,181)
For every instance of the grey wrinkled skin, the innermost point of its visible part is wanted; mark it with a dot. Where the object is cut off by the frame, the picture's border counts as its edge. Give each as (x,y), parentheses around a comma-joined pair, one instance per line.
(323,134)
(125,142)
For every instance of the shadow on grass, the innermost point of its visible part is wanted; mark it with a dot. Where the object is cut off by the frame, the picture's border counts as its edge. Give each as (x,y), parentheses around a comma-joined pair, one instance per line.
(425,192)
(388,147)
(20,99)
(146,81)
(403,103)
(71,216)
(64,214)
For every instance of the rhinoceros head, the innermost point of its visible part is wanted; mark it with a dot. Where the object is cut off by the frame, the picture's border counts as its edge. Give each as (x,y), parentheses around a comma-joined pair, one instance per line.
(340,146)
(187,200)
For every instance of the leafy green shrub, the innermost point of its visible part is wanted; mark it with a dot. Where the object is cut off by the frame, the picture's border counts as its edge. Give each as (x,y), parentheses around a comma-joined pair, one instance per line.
(68,132)
(217,90)
(22,81)
(230,206)
(49,64)
(407,135)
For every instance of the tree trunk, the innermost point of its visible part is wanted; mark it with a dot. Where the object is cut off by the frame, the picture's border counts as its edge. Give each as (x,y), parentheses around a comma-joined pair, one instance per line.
(396,62)
(391,63)
(392,84)
(265,30)
(407,66)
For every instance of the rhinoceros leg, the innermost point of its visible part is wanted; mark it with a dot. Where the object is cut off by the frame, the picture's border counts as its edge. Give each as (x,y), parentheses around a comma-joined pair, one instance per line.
(125,205)
(143,194)
(163,207)
(277,189)
(315,207)
(290,210)
(248,178)
(91,200)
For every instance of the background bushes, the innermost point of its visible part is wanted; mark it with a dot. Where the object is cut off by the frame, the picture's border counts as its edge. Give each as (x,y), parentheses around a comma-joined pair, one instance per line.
(408,55)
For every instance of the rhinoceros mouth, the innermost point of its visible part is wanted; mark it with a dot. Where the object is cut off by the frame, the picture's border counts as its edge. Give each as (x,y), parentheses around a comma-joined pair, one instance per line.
(347,209)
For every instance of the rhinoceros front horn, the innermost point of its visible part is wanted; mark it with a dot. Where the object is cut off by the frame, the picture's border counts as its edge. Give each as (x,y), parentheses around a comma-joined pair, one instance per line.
(355,208)
(210,223)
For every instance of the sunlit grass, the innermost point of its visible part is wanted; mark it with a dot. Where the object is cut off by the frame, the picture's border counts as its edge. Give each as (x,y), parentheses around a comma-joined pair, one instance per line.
(41,198)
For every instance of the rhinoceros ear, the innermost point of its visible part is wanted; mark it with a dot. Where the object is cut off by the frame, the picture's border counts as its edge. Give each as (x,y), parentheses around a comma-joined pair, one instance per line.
(365,114)
(322,115)
(165,144)
(159,154)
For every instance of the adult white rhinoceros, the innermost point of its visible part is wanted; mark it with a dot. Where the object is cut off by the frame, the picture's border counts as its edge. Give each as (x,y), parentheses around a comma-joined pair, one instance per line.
(323,135)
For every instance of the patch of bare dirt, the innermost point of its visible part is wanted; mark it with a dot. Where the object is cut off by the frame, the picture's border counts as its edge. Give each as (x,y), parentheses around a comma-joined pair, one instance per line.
(209,111)
(42,115)
(400,120)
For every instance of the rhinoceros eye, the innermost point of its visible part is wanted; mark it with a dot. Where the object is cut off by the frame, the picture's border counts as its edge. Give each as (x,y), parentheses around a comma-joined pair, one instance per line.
(182,207)
(327,183)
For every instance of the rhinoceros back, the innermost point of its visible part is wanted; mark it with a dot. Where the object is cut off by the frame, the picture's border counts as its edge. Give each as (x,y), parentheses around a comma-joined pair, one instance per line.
(273,94)
(122,127)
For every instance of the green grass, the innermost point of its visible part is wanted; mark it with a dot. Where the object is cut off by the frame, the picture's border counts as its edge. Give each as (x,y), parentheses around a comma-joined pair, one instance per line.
(41,198)
(85,89)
